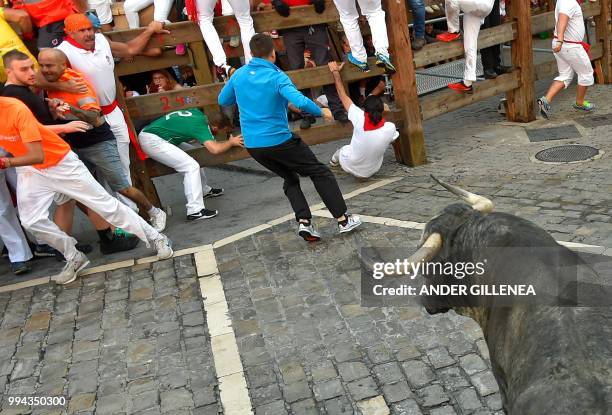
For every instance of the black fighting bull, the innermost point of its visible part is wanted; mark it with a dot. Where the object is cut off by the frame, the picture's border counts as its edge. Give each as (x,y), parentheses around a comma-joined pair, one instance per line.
(548,359)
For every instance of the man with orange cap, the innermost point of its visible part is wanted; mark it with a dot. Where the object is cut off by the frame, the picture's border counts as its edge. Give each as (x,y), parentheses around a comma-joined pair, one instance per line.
(93,55)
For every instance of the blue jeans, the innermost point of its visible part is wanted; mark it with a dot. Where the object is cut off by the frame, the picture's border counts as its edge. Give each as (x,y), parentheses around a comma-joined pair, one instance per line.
(418,17)
(104,158)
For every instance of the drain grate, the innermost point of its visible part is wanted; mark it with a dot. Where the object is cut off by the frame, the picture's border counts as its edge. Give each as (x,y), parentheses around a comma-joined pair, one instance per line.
(594,121)
(553,133)
(567,154)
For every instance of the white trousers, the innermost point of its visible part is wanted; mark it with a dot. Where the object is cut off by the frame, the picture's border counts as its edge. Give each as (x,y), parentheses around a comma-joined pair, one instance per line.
(242,12)
(194,179)
(373,12)
(474,12)
(10,228)
(120,131)
(161,10)
(571,59)
(103,10)
(71,177)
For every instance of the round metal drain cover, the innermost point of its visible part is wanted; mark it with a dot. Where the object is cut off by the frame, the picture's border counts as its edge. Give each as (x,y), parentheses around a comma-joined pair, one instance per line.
(567,154)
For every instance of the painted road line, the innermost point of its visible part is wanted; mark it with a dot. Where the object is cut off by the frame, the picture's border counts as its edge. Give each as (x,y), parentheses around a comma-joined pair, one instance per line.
(240,235)
(24,284)
(107,267)
(233,389)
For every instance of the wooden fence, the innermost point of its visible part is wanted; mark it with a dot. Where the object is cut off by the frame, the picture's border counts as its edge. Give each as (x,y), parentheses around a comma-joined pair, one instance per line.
(410,109)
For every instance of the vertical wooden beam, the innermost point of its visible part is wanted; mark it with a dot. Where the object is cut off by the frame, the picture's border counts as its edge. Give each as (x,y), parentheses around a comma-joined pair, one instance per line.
(521,101)
(201,68)
(603,35)
(411,144)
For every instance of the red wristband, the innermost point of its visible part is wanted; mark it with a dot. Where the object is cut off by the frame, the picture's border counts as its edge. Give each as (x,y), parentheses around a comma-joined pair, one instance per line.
(27,35)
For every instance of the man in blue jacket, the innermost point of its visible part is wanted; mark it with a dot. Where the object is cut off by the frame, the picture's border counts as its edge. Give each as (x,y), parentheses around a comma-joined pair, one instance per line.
(262,92)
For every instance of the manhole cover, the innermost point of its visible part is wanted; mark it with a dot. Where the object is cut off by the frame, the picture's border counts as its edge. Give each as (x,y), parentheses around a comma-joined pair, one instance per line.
(553,133)
(567,154)
(595,120)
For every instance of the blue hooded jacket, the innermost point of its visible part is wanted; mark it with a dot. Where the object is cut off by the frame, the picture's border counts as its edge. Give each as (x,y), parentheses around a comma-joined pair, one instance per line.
(262,92)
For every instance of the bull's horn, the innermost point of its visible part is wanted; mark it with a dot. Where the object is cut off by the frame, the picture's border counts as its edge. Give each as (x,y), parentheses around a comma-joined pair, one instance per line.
(428,250)
(479,203)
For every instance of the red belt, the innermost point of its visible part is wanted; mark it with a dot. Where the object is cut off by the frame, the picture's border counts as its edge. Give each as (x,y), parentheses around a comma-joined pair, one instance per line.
(107,109)
(585,45)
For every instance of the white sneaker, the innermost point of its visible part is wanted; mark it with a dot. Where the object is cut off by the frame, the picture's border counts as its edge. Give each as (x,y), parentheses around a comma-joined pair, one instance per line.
(158,220)
(71,269)
(352,223)
(163,245)
(333,163)
(308,232)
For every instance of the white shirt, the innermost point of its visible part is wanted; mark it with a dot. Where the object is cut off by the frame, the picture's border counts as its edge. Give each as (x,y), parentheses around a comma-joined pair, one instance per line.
(575,30)
(98,67)
(364,155)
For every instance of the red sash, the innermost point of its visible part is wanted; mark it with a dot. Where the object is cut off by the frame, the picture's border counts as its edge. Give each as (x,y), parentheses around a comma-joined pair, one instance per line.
(586,46)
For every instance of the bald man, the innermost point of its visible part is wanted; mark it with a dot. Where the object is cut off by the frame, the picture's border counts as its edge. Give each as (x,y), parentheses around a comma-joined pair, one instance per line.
(97,146)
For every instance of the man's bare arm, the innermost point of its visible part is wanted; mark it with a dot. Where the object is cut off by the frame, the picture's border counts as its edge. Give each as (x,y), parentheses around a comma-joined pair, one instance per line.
(81,5)
(220,147)
(74,86)
(92,117)
(21,17)
(139,43)
(35,155)
(335,69)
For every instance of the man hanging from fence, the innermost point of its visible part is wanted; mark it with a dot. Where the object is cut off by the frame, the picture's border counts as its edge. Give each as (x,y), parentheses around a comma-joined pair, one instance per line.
(572,55)
(165,140)
(262,92)
(474,13)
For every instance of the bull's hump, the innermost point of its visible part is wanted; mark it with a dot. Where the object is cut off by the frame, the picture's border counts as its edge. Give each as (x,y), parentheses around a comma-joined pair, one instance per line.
(504,229)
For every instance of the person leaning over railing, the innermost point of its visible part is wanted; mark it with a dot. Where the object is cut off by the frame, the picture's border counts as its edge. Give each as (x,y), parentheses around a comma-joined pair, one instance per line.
(9,40)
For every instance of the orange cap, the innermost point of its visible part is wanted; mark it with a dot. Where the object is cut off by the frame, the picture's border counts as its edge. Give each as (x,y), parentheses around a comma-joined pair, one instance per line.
(76,22)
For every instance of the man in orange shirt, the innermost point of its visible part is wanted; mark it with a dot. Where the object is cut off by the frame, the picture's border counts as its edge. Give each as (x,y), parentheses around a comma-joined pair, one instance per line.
(97,146)
(46,166)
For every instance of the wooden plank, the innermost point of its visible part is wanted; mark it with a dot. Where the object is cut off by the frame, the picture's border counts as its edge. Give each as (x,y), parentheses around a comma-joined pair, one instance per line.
(410,146)
(521,101)
(201,66)
(604,36)
(181,32)
(317,134)
(448,100)
(546,21)
(146,106)
(142,64)
(440,51)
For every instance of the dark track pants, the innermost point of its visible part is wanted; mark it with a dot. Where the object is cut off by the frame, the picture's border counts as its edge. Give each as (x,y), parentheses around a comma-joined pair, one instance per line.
(293,158)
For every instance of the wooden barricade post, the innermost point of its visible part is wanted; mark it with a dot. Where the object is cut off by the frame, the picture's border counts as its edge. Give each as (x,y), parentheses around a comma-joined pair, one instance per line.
(603,37)
(521,101)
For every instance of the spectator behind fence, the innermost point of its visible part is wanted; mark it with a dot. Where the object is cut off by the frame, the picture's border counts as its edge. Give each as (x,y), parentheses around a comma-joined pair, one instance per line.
(372,135)
(9,40)
(474,13)
(162,81)
(315,38)
(349,17)
(491,56)
(166,139)
(418,23)
(262,92)
(48,16)
(202,12)
(572,55)
(104,13)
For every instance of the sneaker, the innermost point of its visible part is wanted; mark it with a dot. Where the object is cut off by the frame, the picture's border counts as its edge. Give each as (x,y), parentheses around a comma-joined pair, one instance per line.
(224,72)
(214,192)
(203,214)
(43,251)
(461,87)
(180,49)
(119,243)
(351,223)
(122,234)
(158,220)
(334,163)
(163,245)
(71,269)
(418,43)
(384,61)
(274,34)
(84,248)
(586,106)
(363,66)
(308,232)
(20,267)
(306,122)
(545,108)
(448,37)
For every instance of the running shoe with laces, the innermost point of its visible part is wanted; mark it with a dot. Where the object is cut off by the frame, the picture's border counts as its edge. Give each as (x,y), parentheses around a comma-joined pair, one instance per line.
(214,192)
(363,66)
(448,37)
(384,61)
(586,106)
(461,87)
(334,163)
(545,108)
(308,232)
(349,224)
(163,246)
(225,72)
(71,270)
(158,220)
(203,214)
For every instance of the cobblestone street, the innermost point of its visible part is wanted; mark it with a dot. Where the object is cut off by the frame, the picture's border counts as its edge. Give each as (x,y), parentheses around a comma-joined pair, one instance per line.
(153,338)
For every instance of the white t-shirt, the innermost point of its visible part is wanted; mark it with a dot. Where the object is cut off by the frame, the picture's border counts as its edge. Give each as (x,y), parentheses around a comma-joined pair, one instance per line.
(575,30)
(364,155)
(98,67)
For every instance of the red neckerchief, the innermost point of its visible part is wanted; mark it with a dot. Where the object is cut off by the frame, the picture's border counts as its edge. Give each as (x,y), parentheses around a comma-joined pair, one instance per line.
(76,44)
(368,125)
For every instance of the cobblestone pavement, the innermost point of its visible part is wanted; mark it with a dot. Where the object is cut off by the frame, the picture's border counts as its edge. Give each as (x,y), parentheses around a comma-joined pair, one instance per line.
(136,340)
